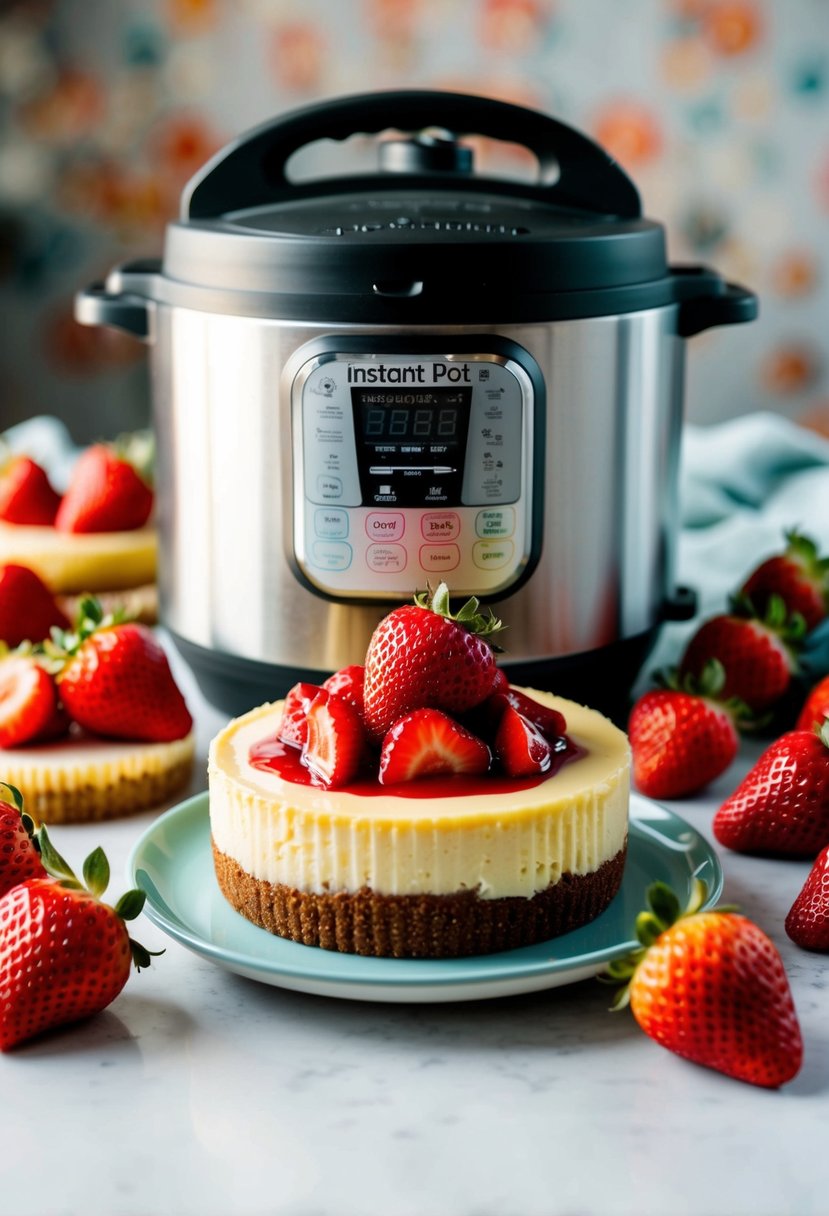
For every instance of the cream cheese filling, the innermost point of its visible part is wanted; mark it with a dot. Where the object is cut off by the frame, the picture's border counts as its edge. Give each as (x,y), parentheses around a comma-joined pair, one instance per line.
(82,561)
(76,762)
(500,844)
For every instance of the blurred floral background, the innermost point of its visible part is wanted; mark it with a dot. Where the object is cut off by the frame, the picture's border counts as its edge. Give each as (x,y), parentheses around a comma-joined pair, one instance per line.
(717,108)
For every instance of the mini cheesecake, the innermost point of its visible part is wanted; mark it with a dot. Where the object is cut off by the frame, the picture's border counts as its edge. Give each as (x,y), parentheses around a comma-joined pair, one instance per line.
(444,867)
(82,778)
(117,567)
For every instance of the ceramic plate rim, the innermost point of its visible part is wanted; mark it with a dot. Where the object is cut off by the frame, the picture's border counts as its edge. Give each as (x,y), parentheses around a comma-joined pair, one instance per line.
(503,967)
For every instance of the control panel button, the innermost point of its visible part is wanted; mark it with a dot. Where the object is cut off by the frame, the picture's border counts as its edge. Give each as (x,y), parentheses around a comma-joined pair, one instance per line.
(331,555)
(440,525)
(331,525)
(492,554)
(329,488)
(385,525)
(435,558)
(387,559)
(495,524)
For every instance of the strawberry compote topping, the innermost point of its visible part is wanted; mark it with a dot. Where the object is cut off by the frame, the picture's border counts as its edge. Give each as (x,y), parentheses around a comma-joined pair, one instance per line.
(429,716)
(272,756)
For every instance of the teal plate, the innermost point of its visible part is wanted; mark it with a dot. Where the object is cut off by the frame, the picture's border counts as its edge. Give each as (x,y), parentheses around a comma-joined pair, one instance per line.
(173,863)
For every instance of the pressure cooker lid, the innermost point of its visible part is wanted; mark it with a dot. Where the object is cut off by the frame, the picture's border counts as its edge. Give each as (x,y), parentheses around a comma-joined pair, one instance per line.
(422,239)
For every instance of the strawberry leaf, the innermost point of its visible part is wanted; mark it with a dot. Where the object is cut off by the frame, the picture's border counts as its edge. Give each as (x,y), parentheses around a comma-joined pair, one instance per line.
(663,903)
(53,863)
(14,794)
(130,904)
(141,956)
(96,872)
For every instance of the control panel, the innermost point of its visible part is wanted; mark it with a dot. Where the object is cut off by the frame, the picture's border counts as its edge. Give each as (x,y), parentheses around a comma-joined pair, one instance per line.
(414,468)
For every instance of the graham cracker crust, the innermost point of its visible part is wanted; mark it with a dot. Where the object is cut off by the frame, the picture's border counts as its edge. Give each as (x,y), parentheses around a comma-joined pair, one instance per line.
(419,926)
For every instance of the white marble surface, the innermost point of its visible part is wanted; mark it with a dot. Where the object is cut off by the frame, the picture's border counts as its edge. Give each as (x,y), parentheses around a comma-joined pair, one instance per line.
(199,1093)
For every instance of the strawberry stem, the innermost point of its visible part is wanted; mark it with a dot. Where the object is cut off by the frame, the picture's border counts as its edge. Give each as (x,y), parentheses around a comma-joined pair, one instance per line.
(469,615)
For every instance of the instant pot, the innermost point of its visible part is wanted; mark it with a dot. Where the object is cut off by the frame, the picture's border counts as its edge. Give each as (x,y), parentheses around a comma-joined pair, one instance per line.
(365,383)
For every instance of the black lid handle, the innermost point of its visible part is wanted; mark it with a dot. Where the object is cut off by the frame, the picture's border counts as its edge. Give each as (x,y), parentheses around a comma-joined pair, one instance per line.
(250,172)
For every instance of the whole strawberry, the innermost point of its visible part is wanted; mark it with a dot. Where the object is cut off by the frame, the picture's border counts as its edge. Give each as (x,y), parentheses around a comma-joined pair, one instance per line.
(808,921)
(711,987)
(19,854)
(781,808)
(115,680)
(815,708)
(798,575)
(28,610)
(758,655)
(64,955)
(105,494)
(683,736)
(26,496)
(423,655)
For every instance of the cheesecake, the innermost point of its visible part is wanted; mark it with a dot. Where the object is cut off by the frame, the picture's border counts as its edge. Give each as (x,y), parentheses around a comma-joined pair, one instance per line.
(442,867)
(119,568)
(82,777)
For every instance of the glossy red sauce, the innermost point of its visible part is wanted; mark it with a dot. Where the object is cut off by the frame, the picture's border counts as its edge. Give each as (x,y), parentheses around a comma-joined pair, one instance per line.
(272,756)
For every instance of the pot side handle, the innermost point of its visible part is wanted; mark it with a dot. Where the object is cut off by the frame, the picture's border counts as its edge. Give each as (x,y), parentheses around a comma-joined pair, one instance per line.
(710,301)
(251,171)
(126,301)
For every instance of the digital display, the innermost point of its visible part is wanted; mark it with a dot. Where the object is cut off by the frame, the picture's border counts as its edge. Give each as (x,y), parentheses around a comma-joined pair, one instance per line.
(423,416)
(411,443)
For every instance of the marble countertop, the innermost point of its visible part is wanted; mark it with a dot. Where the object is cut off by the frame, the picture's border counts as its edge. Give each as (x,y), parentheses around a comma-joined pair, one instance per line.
(200,1093)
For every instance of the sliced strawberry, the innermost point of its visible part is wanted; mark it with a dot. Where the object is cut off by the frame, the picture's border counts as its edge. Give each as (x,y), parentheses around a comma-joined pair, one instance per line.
(27,607)
(336,741)
(28,700)
(427,743)
(521,746)
(348,683)
(26,496)
(105,494)
(293,728)
(550,722)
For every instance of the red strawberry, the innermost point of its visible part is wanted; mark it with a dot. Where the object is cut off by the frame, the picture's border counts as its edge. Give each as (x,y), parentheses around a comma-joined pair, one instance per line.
(682,738)
(797,575)
(808,921)
(27,607)
(348,683)
(781,808)
(428,743)
(711,987)
(815,708)
(116,680)
(521,746)
(64,955)
(758,656)
(19,856)
(293,727)
(105,494)
(28,701)
(26,496)
(423,655)
(500,682)
(336,741)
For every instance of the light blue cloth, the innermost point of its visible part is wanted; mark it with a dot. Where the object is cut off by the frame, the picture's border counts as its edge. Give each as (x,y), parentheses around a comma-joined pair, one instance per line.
(48,442)
(744,483)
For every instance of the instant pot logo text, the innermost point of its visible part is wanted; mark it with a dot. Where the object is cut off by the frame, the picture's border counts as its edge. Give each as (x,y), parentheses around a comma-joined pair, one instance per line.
(418,373)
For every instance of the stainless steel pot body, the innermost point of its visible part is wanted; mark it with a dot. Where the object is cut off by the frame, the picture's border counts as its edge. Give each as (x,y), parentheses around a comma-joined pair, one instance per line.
(614,387)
